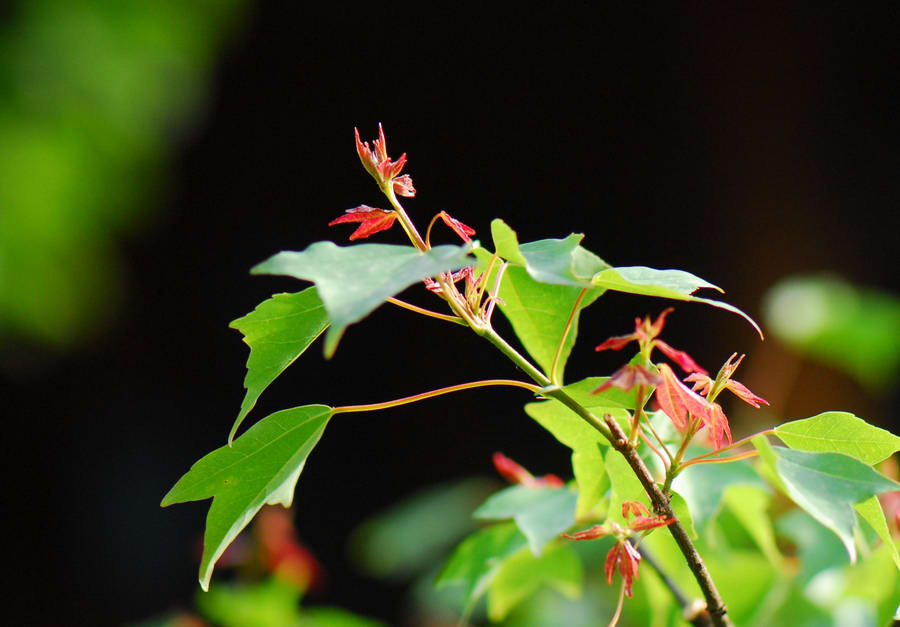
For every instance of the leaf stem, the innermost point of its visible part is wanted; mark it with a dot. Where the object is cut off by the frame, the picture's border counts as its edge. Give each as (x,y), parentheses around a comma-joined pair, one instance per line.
(405,222)
(565,334)
(346,409)
(661,442)
(426,312)
(717,460)
(665,462)
(740,442)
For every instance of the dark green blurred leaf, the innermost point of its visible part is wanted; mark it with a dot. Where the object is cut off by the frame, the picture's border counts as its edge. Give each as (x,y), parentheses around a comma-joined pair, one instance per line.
(410,537)
(478,559)
(854,329)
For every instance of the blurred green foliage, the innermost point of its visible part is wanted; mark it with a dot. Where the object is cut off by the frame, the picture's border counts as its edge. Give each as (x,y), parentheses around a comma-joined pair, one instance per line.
(93,96)
(854,329)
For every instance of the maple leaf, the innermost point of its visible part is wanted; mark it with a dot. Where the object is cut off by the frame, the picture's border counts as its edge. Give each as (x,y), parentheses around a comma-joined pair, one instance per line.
(681,405)
(373,220)
(723,381)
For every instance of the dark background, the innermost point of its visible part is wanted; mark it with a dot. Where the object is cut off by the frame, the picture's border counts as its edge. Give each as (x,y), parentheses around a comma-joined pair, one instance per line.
(741,146)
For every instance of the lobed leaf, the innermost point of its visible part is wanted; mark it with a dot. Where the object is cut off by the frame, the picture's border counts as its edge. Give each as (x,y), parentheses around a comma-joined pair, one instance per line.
(352,281)
(278,331)
(828,485)
(674,284)
(541,513)
(839,432)
(261,468)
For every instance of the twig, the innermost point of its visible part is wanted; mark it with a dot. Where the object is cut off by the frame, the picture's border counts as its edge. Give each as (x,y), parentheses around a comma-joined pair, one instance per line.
(714,604)
(688,607)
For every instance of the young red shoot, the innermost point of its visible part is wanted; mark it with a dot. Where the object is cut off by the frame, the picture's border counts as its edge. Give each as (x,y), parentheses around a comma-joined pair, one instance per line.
(514,473)
(646,334)
(372,220)
(377,163)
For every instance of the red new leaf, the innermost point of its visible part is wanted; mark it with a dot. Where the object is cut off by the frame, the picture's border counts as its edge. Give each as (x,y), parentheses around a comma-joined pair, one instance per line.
(373,220)
(465,232)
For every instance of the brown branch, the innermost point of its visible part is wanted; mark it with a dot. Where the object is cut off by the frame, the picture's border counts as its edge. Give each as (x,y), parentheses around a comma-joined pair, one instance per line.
(715,607)
(693,612)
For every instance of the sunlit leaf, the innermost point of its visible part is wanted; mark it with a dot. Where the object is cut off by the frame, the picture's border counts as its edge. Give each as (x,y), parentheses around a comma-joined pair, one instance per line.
(261,468)
(839,432)
(585,441)
(478,559)
(817,547)
(683,513)
(675,284)
(541,513)
(522,574)
(828,485)
(624,486)
(354,280)
(750,505)
(277,332)
(871,511)
(703,487)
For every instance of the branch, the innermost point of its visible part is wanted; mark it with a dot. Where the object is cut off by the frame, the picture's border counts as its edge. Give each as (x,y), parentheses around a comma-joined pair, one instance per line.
(714,605)
(693,614)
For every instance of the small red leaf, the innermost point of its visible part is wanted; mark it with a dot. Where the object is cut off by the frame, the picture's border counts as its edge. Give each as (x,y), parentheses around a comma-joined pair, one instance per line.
(458,227)
(597,531)
(403,186)
(678,402)
(627,377)
(617,342)
(373,220)
(684,361)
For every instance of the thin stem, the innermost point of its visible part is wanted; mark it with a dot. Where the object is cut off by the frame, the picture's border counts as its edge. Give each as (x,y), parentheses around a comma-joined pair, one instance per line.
(493,295)
(486,275)
(717,460)
(714,604)
(661,442)
(638,414)
(565,334)
(405,222)
(425,395)
(539,377)
(615,618)
(740,442)
(426,312)
(665,462)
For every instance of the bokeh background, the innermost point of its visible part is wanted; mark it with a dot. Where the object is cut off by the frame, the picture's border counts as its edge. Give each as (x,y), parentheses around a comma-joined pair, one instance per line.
(151,153)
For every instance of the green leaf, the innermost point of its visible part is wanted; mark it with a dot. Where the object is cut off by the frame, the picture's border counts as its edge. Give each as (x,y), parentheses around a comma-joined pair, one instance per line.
(478,559)
(675,284)
(522,574)
(539,312)
(683,514)
(839,432)
(852,328)
(624,486)
(828,485)
(703,486)
(871,511)
(414,535)
(552,261)
(818,548)
(750,505)
(261,468)
(541,513)
(277,332)
(354,280)
(585,441)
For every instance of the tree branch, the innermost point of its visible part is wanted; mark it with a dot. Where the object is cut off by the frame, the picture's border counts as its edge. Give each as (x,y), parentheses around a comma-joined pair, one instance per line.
(714,605)
(693,614)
